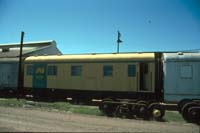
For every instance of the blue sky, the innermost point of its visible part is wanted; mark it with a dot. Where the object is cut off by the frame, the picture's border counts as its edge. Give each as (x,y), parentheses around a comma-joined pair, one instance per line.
(90,26)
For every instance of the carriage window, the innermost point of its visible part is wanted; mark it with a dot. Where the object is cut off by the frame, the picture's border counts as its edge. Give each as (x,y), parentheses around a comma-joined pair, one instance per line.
(76,70)
(52,70)
(108,70)
(186,71)
(131,70)
(29,70)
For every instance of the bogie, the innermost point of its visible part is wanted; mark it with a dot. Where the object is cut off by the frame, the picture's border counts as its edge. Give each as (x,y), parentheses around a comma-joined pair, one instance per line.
(139,109)
(142,110)
(191,112)
(107,108)
(124,111)
(182,103)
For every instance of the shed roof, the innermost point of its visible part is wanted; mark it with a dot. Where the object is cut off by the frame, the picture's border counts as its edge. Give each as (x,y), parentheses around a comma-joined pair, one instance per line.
(12,50)
(177,57)
(93,57)
(9,60)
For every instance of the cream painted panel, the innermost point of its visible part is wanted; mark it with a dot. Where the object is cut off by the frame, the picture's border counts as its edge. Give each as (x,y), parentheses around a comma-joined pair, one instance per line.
(92,78)
(28,79)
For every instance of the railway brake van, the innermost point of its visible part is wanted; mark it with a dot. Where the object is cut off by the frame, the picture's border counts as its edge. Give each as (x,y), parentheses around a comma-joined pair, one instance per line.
(92,76)
(132,78)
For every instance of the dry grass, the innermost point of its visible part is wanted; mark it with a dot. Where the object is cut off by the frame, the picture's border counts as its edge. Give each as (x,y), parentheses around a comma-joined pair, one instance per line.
(170,116)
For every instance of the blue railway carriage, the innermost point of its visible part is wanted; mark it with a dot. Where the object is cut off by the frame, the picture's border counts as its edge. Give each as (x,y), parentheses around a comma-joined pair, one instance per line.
(8,76)
(182,82)
(181,76)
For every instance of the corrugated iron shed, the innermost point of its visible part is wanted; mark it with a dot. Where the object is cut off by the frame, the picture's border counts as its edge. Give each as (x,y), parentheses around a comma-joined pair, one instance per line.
(29,48)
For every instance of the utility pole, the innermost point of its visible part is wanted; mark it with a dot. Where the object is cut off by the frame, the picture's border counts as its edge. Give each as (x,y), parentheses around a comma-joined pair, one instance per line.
(118,40)
(20,65)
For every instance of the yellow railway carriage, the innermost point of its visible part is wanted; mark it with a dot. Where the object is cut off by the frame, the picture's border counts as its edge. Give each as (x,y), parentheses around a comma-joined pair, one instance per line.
(124,75)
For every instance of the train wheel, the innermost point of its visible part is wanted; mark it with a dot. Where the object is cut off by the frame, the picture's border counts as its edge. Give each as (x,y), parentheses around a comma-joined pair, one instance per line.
(156,111)
(123,111)
(188,112)
(182,103)
(103,101)
(142,110)
(108,108)
(194,113)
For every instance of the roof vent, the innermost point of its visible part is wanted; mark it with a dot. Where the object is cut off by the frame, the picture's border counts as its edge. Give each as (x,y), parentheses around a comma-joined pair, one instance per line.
(180,53)
(5,49)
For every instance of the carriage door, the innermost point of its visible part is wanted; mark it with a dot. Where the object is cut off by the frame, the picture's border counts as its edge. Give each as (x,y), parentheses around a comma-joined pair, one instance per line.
(39,75)
(145,77)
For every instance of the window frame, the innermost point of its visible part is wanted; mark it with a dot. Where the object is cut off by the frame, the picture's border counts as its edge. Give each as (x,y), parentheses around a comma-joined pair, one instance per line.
(133,72)
(76,70)
(107,69)
(52,70)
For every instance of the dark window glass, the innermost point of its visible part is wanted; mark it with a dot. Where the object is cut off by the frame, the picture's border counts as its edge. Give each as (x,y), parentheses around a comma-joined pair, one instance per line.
(146,69)
(76,70)
(131,70)
(52,70)
(108,70)
(29,70)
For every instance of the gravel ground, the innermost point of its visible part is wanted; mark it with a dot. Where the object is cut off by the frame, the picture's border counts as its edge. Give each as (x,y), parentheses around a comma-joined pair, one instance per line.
(36,120)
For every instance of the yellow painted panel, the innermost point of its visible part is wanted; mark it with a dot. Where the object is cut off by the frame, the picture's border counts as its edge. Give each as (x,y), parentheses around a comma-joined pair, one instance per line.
(90,75)
(28,81)
(58,81)
(27,78)
(92,78)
